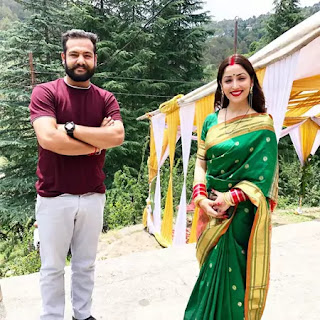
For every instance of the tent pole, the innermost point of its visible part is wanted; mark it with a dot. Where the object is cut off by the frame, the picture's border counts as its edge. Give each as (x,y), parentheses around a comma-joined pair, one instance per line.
(235,34)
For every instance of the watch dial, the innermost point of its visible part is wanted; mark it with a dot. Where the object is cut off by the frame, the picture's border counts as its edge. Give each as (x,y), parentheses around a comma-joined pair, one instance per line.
(69,126)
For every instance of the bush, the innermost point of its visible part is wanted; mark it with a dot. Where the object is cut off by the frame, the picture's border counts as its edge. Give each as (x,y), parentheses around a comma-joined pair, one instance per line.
(18,256)
(294,180)
(178,177)
(126,199)
(25,264)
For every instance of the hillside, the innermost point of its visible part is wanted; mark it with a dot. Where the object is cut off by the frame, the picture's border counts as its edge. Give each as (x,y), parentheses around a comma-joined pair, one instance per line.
(10,11)
(251,38)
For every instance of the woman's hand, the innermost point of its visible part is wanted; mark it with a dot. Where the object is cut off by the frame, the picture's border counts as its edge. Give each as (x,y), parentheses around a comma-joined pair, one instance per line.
(210,209)
(219,203)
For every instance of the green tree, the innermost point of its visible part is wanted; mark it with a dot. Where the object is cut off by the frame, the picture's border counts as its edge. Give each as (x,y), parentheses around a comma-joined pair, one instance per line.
(39,34)
(178,38)
(127,65)
(123,59)
(149,51)
(287,15)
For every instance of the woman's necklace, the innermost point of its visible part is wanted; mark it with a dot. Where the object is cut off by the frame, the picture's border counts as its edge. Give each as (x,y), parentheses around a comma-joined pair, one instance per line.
(225,121)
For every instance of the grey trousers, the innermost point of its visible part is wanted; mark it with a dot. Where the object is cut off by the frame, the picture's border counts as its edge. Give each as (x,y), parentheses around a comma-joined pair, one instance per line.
(68,221)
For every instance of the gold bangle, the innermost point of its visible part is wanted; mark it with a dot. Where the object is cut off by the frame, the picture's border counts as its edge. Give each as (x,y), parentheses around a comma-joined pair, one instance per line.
(198,199)
(227,198)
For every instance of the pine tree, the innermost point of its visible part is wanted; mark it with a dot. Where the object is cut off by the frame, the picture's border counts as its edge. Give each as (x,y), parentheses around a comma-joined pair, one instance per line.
(178,38)
(39,34)
(163,42)
(142,63)
(287,15)
(149,50)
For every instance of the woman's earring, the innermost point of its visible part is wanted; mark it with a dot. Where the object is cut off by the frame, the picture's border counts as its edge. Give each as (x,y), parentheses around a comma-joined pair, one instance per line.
(222,99)
(250,96)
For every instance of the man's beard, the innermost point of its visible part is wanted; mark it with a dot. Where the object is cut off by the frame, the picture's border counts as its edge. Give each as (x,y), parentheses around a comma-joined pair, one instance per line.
(79,77)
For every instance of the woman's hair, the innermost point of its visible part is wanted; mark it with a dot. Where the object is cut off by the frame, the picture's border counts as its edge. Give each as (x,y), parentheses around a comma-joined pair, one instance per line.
(258,101)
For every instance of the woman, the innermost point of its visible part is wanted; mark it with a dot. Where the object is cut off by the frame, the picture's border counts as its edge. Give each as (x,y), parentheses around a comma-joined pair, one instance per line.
(237,165)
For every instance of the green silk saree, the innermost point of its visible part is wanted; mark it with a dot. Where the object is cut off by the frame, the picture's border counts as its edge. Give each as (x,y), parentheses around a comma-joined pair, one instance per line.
(234,254)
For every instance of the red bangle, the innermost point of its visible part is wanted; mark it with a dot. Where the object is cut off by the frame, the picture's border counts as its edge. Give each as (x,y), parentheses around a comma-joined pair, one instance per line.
(202,193)
(199,190)
(238,196)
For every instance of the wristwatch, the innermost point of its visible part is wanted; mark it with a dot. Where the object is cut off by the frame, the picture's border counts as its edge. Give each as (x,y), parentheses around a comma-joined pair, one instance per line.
(69,126)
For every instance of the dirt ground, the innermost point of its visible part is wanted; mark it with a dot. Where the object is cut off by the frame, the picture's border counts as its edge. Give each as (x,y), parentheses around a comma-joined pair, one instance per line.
(124,241)
(131,239)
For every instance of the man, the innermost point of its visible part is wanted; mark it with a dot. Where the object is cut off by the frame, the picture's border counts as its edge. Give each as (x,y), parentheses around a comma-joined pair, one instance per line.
(75,122)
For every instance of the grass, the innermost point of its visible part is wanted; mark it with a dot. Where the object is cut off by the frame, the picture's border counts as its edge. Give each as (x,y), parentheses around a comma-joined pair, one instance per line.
(288,216)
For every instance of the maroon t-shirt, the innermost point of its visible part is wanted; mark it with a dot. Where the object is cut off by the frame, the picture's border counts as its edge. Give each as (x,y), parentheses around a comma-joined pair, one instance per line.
(58,174)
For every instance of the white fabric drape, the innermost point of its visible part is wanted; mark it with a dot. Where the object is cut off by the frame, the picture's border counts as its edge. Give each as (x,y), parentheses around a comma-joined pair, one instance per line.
(312,113)
(166,152)
(277,86)
(287,130)
(296,140)
(186,126)
(316,120)
(158,125)
(309,62)
(294,132)
(316,143)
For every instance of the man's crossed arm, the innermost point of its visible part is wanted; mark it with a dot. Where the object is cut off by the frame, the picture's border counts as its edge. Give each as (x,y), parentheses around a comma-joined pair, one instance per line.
(53,137)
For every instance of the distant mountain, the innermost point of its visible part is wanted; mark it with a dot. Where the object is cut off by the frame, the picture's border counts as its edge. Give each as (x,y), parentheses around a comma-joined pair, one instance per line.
(251,34)
(10,11)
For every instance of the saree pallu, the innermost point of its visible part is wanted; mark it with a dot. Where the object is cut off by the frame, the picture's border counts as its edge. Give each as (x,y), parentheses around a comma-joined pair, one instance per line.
(234,254)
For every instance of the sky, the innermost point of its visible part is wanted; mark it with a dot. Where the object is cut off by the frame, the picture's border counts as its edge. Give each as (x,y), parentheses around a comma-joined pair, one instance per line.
(229,9)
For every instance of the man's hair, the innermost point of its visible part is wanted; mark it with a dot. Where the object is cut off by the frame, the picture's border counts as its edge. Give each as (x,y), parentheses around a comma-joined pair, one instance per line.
(79,34)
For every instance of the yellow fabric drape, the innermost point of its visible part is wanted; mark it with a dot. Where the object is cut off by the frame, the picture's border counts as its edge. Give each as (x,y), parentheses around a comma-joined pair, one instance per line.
(204,107)
(193,232)
(171,109)
(306,84)
(260,75)
(308,132)
(301,99)
(291,121)
(145,217)
(152,161)
(297,112)
(303,106)
(167,108)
